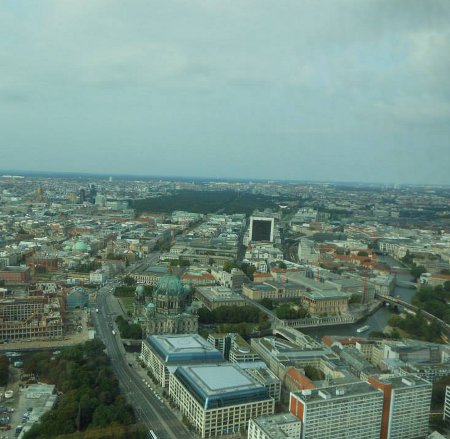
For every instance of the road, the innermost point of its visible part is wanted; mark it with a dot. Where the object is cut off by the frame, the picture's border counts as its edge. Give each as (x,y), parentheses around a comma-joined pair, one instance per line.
(148,408)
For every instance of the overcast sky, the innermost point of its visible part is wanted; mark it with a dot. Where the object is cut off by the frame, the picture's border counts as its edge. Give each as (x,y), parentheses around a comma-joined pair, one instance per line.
(338,90)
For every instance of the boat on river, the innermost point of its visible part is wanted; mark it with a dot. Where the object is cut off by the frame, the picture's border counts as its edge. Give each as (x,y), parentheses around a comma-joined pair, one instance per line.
(363,329)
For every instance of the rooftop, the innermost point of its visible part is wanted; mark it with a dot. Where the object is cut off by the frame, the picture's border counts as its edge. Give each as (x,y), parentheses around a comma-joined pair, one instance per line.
(184,349)
(340,392)
(219,385)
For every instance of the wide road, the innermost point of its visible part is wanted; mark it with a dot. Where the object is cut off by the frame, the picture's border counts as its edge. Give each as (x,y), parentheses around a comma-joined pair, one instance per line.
(148,408)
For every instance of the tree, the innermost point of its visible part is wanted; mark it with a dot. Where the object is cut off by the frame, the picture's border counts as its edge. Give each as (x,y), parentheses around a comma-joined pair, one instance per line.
(4,371)
(129,281)
(267,303)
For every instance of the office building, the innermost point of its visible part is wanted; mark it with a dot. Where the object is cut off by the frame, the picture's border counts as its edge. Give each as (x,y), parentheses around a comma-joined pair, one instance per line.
(161,353)
(261,229)
(218,399)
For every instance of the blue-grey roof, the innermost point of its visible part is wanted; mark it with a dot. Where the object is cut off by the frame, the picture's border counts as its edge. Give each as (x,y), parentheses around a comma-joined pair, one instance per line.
(170,285)
(220,385)
(184,349)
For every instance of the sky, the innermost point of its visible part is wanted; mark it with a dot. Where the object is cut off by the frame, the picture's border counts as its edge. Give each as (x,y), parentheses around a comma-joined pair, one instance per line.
(319,90)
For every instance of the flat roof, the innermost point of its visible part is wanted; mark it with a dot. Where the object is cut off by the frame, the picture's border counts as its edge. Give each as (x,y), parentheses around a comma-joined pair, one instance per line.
(184,348)
(325,295)
(340,392)
(219,385)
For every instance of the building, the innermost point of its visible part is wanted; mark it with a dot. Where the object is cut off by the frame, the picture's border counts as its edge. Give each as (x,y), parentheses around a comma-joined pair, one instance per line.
(282,426)
(196,278)
(30,318)
(272,290)
(406,406)
(218,399)
(169,313)
(265,377)
(215,296)
(148,275)
(233,347)
(447,404)
(15,275)
(328,303)
(261,229)
(163,352)
(77,297)
(351,411)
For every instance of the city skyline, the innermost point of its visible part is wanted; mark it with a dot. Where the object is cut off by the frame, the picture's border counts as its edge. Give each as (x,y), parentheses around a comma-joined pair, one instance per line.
(303,92)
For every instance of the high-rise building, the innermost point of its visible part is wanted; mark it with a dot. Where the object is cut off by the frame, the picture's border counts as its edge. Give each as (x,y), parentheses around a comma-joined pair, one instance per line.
(261,229)
(351,411)
(447,404)
(406,405)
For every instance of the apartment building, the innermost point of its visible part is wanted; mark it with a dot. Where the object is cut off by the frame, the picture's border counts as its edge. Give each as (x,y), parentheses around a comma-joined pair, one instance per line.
(351,411)
(406,406)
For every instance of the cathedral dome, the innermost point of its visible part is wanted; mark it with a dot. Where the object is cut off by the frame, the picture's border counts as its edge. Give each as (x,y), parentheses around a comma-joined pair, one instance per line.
(170,286)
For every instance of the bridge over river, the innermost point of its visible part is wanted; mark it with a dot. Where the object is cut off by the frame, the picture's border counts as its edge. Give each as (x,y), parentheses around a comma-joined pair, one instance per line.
(395,302)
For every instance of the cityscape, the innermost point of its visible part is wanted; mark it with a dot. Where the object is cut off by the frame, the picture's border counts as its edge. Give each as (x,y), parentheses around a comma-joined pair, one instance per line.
(223,308)
(224,219)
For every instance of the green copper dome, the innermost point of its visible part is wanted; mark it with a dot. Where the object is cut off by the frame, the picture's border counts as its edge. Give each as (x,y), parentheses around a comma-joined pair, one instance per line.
(170,285)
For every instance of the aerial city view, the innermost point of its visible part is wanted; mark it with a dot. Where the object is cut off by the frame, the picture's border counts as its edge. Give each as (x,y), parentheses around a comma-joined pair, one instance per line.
(224,218)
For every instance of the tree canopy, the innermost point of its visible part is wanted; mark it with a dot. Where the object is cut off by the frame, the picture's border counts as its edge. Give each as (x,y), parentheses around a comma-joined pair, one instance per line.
(89,391)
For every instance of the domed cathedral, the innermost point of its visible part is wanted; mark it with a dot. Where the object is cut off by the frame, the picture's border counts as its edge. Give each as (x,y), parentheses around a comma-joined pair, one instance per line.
(169,313)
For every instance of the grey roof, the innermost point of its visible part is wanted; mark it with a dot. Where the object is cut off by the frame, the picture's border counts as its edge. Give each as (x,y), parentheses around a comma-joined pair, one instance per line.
(184,349)
(220,385)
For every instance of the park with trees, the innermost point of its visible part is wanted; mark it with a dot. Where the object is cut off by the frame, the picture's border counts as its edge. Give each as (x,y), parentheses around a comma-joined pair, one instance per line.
(89,400)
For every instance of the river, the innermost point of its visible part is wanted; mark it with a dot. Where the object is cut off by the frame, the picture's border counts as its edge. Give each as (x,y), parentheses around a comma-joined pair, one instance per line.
(376,321)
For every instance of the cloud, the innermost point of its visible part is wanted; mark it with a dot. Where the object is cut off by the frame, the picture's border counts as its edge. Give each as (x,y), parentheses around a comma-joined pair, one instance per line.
(211,75)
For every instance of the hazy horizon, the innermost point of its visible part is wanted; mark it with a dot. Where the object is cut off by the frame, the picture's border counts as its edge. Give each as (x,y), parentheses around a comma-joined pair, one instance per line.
(319,91)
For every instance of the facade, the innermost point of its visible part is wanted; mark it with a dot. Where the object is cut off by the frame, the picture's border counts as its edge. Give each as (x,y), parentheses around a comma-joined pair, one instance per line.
(161,352)
(447,404)
(149,275)
(272,290)
(351,411)
(30,318)
(15,275)
(265,377)
(215,296)
(325,302)
(406,407)
(283,426)
(218,399)
(233,347)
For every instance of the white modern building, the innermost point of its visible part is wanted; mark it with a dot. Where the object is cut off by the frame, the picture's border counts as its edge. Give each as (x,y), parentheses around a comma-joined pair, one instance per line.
(218,399)
(163,353)
(283,426)
(352,411)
